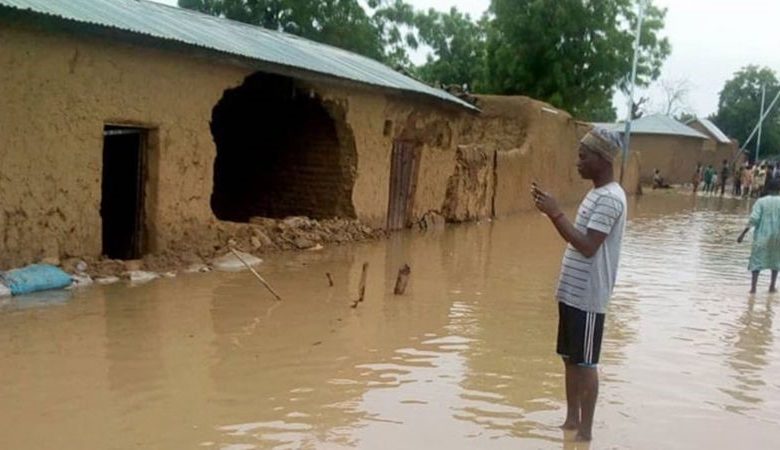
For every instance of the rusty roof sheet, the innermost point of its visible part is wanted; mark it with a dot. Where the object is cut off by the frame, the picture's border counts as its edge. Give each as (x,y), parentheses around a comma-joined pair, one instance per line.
(169,23)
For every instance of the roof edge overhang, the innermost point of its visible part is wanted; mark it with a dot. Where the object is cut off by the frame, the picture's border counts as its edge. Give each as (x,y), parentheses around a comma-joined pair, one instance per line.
(62,24)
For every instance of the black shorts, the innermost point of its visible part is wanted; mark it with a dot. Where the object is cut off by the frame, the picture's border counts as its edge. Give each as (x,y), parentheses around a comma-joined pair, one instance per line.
(579,335)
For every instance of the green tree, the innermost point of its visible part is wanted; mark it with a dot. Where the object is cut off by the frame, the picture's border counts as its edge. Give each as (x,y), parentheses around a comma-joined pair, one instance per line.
(571,53)
(458,46)
(385,31)
(341,23)
(739,108)
(394,22)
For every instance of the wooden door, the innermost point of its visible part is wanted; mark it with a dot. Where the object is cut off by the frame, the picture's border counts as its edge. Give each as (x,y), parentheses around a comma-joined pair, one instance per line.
(404,168)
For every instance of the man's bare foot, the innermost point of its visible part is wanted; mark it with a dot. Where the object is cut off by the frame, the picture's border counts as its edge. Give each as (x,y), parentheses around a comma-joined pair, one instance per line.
(570,425)
(582,437)
(772,290)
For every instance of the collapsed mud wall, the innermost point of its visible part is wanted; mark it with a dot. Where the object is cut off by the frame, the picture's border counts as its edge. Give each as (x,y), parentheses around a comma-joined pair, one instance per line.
(280,152)
(471,188)
(62,90)
(533,142)
(472,166)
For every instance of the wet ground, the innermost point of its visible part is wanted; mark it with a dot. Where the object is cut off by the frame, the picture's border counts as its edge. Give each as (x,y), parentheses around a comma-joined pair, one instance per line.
(463,361)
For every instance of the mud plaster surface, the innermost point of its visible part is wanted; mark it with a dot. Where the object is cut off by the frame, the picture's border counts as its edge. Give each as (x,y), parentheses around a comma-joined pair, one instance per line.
(63,89)
(676,157)
(61,92)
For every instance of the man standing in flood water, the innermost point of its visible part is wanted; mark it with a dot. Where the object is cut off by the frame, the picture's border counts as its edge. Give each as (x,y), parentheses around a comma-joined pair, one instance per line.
(588,272)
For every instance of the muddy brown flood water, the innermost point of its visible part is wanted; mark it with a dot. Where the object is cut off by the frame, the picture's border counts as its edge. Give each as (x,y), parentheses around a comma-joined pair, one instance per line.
(465,360)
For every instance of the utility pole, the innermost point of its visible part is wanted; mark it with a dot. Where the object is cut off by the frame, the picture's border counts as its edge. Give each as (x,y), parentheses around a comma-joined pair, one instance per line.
(767,110)
(760,122)
(627,133)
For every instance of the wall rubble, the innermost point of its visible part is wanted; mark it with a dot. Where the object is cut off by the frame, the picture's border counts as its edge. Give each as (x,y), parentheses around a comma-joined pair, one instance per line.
(63,89)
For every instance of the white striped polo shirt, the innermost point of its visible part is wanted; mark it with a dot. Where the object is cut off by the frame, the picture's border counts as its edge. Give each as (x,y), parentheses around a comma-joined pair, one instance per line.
(587,283)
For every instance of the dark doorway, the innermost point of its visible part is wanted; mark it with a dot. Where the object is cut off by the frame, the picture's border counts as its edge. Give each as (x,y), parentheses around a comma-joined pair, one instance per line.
(404,169)
(281,151)
(122,203)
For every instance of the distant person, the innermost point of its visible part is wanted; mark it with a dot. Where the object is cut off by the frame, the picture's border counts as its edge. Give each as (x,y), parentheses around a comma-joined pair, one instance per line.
(765,219)
(737,189)
(754,180)
(658,181)
(760,180)
(724,176)
(696,180)
(588,272)
(709,174)
(747,180)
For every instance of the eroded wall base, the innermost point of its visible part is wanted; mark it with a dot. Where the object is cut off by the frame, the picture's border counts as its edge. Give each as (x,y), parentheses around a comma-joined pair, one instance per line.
(61,90)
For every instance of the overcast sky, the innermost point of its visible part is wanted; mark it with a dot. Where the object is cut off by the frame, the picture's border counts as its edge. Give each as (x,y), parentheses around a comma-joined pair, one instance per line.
(711,39)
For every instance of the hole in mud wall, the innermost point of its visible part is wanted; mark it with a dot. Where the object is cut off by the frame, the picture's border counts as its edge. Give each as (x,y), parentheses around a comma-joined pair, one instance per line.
(280,152)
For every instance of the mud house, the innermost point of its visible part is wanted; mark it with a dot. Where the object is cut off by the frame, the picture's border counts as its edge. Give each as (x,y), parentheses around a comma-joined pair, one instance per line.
(671,147)
(718,146)
(131,128)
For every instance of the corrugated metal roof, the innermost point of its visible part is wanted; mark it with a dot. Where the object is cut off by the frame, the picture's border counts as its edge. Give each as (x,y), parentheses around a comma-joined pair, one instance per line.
(656,124)
(192,28)
(719,135)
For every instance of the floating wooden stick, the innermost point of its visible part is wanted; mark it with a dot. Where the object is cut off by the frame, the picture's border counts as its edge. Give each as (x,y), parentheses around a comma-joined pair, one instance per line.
(330,279)
(402,280)
(262,281)
(362,285)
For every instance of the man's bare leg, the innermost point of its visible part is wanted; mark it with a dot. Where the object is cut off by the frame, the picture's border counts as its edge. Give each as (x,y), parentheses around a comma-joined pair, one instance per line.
(572,397)
(772,287)
(588,379)
(753,281)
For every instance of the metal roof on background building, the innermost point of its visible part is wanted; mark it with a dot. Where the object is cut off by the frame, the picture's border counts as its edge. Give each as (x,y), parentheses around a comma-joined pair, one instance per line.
(169,23)
(719,135)
(655,124)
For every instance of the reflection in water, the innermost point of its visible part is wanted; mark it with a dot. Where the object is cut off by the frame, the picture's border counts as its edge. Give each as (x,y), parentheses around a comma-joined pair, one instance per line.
(749,356)
(135,366)
(464,360)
